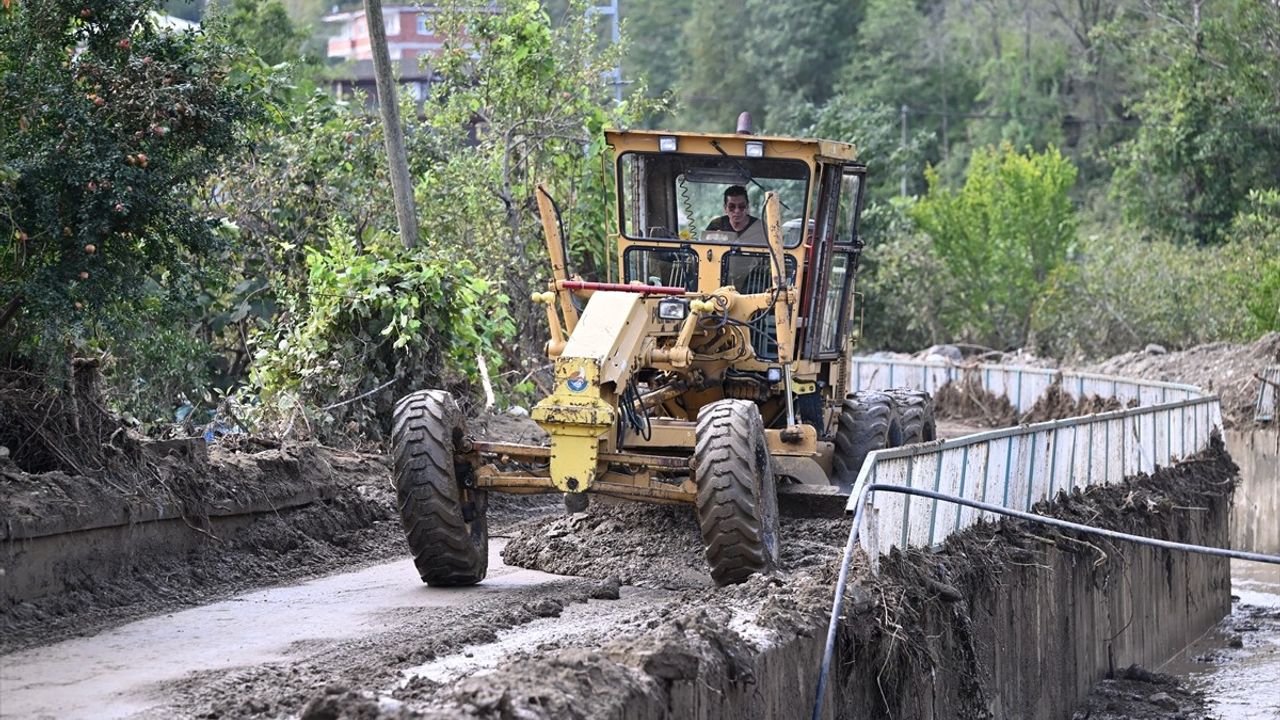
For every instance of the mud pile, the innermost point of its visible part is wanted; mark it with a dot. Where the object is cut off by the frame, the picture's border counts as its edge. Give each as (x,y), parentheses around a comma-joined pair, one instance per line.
(1227,369)
(1137,694)
(652,546)
(1057,404)
(968,401)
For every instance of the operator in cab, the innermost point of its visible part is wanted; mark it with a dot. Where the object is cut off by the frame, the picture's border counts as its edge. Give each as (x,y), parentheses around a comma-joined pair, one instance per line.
(737,217)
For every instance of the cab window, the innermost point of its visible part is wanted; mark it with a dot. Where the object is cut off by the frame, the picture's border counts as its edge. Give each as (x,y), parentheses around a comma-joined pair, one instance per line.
(674,197)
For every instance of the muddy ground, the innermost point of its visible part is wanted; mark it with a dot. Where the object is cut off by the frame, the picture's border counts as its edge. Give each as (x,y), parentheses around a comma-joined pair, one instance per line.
(1138,694)
(352,524)
(668,622)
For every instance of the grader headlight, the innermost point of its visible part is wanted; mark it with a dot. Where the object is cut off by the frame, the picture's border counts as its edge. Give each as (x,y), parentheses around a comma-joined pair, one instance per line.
(673,309)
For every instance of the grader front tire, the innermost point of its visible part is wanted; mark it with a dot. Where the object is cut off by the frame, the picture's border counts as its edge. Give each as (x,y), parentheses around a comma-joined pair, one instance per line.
(444,521)
(737,500)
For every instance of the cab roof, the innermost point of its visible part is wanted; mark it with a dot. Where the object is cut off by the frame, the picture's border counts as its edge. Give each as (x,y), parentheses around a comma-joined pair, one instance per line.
(733,143)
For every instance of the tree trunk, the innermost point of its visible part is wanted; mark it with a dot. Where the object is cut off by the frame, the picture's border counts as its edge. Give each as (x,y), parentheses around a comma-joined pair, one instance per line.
(401,186)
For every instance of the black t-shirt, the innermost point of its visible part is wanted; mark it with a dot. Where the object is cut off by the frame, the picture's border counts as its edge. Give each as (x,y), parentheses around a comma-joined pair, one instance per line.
(721,224)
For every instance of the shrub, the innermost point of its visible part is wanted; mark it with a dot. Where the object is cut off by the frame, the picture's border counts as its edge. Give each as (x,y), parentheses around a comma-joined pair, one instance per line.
(1120,293)
(1000,238)
(379,323)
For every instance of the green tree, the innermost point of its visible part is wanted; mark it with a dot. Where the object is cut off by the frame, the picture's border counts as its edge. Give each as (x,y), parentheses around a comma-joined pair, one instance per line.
(518,101)
(263,26)
(658,49)
(903,55)
(1258,227)
(1000,236)
(109,123)
(1209,113)
(533,91)
(719,78)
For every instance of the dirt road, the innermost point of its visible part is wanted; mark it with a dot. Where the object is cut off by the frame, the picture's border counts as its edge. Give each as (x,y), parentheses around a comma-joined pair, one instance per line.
(181,664)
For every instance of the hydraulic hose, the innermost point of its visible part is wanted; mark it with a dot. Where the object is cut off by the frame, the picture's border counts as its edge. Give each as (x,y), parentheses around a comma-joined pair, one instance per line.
(829,650)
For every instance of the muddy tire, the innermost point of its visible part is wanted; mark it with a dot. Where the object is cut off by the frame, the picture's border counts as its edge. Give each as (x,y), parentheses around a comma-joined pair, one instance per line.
(737,500)
(915,415)
(868,422)
(444,521)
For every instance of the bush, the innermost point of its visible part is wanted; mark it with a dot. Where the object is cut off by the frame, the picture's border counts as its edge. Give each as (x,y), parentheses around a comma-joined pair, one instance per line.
(1120,293)
(379,323)
(1259,224)
(110,123)
(904,284)
(1000,238)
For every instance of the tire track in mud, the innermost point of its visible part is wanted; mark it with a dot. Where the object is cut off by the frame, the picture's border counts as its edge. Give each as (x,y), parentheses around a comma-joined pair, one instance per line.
(268,653)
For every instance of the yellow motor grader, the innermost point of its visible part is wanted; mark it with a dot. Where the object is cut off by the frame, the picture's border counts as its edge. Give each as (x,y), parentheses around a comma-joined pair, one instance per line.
(713,372)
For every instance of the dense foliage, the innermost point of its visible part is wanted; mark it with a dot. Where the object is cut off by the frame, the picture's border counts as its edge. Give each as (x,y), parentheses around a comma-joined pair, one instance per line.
(999,237)
(200,208)
(357,321)
(109,122)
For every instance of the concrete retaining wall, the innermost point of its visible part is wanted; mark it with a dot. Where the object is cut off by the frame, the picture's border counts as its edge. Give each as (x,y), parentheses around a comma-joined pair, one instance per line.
(1255,517)
(71,533)
(1044,629)
(1034,619)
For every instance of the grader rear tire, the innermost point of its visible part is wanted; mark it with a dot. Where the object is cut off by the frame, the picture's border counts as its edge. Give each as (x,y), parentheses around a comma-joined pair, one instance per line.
(444,521)
(915,413)
(737,500)
(868,422)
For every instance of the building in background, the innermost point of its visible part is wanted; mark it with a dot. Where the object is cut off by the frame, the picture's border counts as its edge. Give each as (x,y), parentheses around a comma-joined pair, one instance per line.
(410,38)
(408,27)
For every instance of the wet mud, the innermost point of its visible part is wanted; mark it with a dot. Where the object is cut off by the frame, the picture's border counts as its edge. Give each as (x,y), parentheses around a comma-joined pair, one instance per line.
(638,631)
(1138,694)
(966,400)
(916,642)
(310,511)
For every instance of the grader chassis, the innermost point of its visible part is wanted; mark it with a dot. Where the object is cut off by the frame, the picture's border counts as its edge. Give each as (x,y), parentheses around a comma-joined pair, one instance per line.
(713,374)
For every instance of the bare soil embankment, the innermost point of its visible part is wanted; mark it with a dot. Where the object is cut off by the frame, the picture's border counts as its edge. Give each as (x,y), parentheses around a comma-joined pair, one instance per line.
(1227,369)
(80,553)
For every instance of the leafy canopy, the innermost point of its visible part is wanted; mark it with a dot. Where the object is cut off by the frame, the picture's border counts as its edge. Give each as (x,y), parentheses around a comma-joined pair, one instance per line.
(1000,236)
(108,123)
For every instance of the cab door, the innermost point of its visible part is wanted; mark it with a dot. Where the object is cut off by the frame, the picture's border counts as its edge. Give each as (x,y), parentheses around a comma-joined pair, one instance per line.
(833,261)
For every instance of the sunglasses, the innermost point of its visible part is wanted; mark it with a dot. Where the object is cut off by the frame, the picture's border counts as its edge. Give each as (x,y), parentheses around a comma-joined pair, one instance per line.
(736,206)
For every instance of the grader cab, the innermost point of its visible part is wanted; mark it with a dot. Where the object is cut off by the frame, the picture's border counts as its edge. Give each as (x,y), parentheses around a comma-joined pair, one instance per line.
(713,372)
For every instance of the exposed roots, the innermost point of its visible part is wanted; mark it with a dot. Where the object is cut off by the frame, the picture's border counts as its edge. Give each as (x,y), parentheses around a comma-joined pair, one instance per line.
(69,429)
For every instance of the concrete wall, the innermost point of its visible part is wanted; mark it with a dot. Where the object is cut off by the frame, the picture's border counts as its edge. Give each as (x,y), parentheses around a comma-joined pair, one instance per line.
(1042,630)
(1012,622)
(1255,517)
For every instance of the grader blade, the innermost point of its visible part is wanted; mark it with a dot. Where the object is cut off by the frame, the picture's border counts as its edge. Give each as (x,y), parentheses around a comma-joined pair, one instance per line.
(812,501)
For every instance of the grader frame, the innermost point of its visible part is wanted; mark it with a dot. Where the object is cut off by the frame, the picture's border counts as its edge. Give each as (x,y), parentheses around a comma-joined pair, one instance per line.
(713,374)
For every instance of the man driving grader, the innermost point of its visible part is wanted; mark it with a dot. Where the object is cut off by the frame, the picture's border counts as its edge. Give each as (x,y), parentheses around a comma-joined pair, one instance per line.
(714,374)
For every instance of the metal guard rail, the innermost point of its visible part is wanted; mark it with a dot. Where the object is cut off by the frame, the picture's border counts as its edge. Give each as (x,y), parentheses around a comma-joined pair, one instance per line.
(1265,409)
(1021,466)
(1021,385)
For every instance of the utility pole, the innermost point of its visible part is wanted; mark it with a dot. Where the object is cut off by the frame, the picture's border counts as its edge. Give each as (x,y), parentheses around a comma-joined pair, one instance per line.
(615,36)
(389,107)
(902,149)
